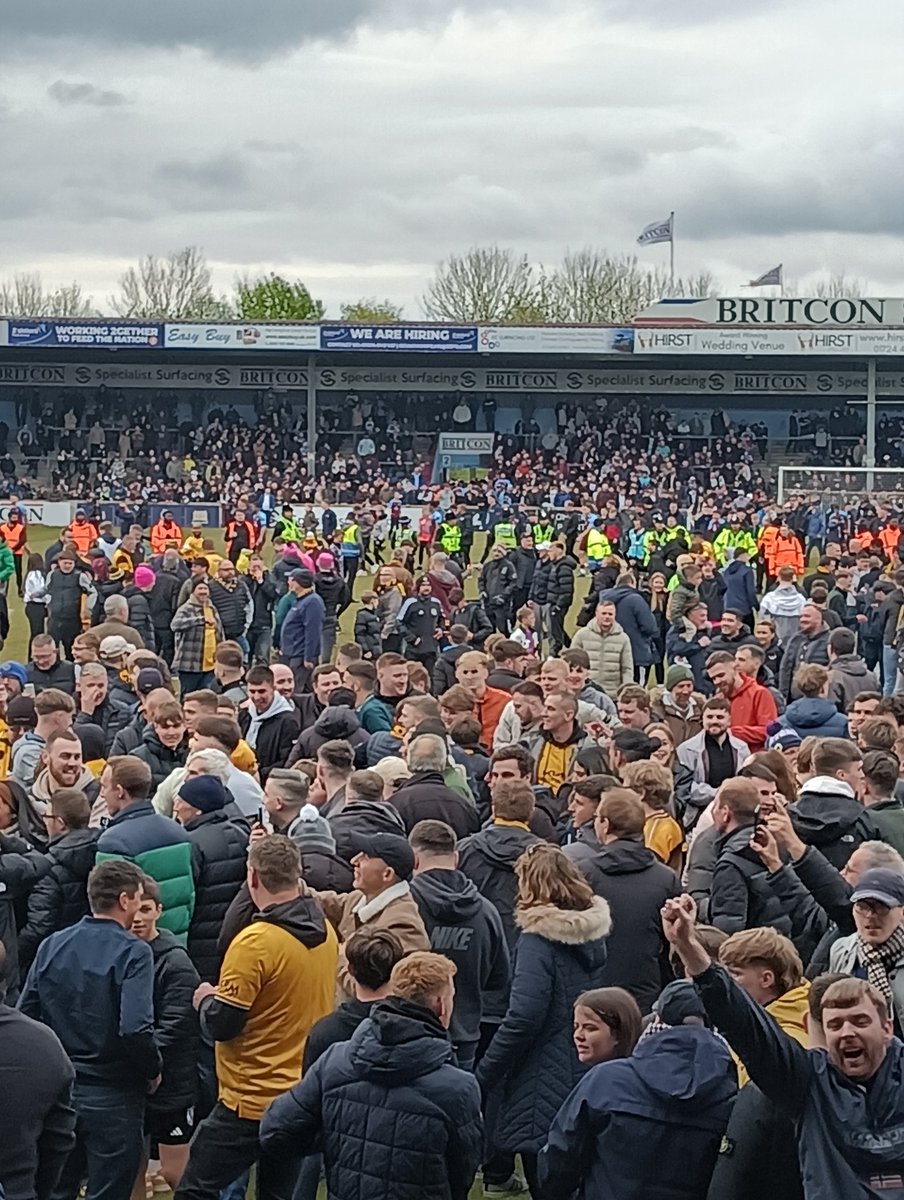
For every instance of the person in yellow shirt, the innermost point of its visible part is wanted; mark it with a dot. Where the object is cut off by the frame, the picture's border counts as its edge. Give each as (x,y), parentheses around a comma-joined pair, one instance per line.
(767,966)
(661,833)
(277,980)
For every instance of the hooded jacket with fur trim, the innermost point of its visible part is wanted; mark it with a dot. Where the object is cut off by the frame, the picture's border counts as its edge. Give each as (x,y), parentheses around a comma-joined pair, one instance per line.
(530,1065)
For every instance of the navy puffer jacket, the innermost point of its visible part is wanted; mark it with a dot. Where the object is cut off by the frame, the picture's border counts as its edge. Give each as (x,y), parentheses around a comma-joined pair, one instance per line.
(219,850)
(394,1118)
(530,1065)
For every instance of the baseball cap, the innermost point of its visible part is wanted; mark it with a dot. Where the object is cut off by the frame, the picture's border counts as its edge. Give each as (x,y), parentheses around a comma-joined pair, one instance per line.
(114,647)
(657,516)
(303,577)
(879,884)
(393,850)
(21,712)
(149,678)
(678,1001)
(14,670)
(543,545)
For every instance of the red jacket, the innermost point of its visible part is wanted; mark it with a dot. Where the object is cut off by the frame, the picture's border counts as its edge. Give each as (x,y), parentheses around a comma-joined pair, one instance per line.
(752,709)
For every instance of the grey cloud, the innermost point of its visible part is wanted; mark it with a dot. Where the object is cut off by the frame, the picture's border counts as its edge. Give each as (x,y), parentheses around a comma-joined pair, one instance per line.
(231,30)
(85,93)
(208,184)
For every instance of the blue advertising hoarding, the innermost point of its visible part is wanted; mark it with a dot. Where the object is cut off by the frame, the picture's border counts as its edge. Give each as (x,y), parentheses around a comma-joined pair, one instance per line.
(137,334)
(444,338)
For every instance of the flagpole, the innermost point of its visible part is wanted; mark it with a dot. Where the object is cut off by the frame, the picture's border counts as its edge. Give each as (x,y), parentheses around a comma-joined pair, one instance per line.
(672,252)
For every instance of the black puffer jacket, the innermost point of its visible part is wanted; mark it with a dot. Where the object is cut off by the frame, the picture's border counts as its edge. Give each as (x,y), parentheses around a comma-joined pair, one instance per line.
(395,1119)
(21,867)
(218,850)
(176,1029)
(335,722)
(60,898)
(362,818)
(325,872)
(160,758)
(741,896)
(636,885)
(163,599)
(233,605)
(560,584)
(140,616)
(130,737)
(333,591)
(112,717)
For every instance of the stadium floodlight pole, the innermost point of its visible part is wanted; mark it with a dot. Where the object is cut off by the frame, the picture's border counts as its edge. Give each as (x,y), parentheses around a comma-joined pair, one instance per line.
(870,456)
(312,419)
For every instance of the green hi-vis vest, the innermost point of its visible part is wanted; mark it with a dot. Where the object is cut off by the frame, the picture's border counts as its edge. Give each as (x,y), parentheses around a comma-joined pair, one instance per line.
(450,538)
(504,534)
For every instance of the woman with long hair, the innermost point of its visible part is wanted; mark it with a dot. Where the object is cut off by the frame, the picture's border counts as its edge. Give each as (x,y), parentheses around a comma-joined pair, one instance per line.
(659,599)
(530,1065)
(607,1025)
(682,776)
(785,779)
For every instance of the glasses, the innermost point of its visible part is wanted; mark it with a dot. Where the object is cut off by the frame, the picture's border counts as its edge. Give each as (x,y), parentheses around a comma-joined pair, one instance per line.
(48,817)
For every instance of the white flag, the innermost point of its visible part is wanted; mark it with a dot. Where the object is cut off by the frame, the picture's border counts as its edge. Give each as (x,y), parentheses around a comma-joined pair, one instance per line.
(772,278)
(659,231)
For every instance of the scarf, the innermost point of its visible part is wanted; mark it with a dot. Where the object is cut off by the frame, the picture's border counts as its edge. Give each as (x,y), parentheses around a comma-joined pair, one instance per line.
(878,959)
(279,704)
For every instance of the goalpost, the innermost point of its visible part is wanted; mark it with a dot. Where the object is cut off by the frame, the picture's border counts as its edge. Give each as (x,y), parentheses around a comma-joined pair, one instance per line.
(840,485)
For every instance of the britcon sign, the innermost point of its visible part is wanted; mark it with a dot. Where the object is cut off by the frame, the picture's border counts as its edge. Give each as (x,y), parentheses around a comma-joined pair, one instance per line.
(781,310)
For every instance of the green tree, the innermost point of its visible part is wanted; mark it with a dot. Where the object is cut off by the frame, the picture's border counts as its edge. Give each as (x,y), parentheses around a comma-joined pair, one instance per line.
(26,296)
(488,283)
(274,298)
(175,288)
(370,310)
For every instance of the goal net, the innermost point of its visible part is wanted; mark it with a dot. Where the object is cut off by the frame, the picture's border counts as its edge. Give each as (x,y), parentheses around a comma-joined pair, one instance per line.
(840,485)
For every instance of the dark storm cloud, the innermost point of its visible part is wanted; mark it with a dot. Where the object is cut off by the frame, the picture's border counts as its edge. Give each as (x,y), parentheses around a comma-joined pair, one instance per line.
(235,30)
(85,93)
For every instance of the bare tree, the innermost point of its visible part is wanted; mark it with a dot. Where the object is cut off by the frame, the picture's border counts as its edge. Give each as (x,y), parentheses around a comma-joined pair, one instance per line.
(592,287)
(371,310)
(176,288)
(488,283)
(26,296)
(839,287)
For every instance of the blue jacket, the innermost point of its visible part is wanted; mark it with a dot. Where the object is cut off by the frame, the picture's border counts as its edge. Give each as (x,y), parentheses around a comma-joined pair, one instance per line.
(740,589)
(848,1133)
(302,630)
(679,644)
(812,717)
(93,984)
(163,850)
(530,1066)
(633,614)
(394,1118)
(646,1127)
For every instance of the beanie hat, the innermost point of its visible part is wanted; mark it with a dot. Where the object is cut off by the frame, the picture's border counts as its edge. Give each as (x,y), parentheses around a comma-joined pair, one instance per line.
(92,739)
(204,792)
(311,831)
(326,562)
(144,577)
(14,670)
(678,674)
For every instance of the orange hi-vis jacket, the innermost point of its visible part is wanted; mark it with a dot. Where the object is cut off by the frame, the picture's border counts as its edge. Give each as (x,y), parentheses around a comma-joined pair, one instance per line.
(16,535)
(888,537)
(787,552)
(82,534)
(766,543)
(231,532)
(165,534)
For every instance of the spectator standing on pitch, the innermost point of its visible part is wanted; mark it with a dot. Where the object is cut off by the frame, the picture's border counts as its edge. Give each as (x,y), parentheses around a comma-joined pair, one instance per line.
(93,985)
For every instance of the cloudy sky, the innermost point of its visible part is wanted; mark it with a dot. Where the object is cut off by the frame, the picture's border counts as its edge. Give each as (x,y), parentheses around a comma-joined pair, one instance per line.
(357,142)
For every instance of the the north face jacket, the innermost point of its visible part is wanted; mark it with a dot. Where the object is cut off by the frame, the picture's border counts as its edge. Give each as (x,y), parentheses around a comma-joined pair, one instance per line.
(162,849)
